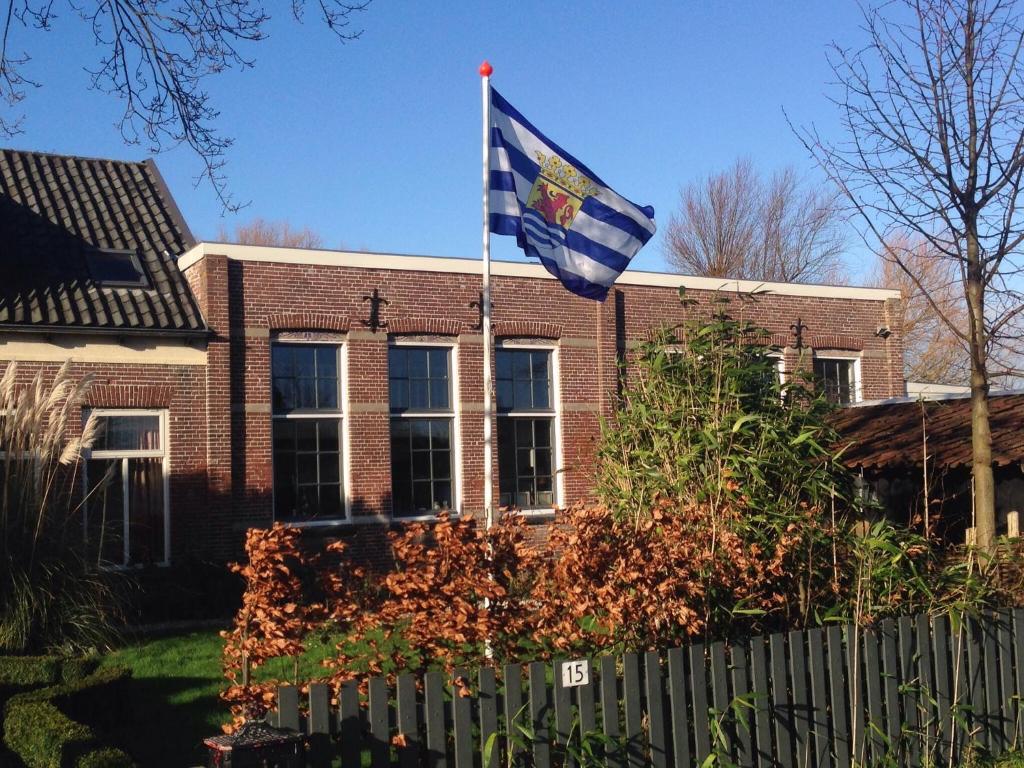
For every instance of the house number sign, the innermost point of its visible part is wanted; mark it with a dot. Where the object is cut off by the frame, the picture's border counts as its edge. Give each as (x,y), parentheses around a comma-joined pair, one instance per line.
(575,673)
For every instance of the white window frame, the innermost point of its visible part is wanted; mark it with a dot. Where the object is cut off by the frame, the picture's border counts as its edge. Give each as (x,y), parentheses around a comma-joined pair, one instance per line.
(858,394)
(163,452)
(554,413)
(453,413)
(345,470)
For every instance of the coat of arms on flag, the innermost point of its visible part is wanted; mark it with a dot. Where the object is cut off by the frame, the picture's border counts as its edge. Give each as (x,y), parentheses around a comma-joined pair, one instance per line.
(580,229)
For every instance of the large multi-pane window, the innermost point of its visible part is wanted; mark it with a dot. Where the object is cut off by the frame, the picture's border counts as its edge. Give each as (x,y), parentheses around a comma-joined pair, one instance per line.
(126,485)
(526,428)
(419,380)
(307,431)
(837,378)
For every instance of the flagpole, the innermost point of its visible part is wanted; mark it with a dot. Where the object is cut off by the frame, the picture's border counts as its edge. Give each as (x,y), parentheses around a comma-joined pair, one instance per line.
(485,296)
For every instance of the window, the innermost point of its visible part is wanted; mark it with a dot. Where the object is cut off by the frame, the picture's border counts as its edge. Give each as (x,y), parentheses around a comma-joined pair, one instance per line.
(307,432)
(419,380)
(526,428)
(115,269)
(126,485)
(837,378)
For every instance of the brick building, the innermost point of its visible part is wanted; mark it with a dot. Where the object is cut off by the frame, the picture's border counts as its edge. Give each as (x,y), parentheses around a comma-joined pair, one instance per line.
(242,384)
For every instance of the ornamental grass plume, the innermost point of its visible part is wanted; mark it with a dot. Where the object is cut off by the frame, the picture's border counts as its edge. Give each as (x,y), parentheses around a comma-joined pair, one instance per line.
(51,595)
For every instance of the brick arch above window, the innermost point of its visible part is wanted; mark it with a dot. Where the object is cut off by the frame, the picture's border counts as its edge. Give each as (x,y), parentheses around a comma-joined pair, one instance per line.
(835,341)
(129,396)
(432,326)
(529,328)
(307,321)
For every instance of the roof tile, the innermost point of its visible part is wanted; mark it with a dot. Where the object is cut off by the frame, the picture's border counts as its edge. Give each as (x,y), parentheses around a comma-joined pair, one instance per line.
(54,209)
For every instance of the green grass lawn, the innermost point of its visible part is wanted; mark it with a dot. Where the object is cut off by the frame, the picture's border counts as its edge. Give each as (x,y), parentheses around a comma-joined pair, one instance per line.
(174,691)
(174,694)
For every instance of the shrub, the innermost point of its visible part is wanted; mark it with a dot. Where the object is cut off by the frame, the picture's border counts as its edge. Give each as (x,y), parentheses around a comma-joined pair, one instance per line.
(20,673)
(743,465)
(51,596)
(457,593)
(289,593)
(39,732)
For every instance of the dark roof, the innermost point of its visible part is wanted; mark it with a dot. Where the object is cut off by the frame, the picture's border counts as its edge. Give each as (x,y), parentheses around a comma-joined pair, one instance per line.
(890,434)
(54,211)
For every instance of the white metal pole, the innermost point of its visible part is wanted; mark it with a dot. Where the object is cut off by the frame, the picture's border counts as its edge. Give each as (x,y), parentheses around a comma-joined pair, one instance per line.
(485,297)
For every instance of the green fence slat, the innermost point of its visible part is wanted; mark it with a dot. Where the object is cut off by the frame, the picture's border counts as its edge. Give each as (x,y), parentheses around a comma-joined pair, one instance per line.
(288,707)
(759,684)
(462,719)
(782,709)
(818,709)
(911,683)
(1004,645)
(800,697)
(655,694)
(488,713)
(380,732)
(891,684)
(839,697)
(699,696)
(515,714)
(610,712)
(631,686)
(927,713)
(319,726)
(408,725)
(962,705)
(720,697)
(944,677)
(349,727)
(433,716)
(740,692)
(563,714)
(875,721)
(993,711)
(860,750)
(678,707)
(1018,659)
(585,698)
(978,718)
(540,713)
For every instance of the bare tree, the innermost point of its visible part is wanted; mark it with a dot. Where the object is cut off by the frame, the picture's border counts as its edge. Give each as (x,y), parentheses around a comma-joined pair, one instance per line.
(933,111)
(260,231)
(738,224)
(156,55)
(930,353)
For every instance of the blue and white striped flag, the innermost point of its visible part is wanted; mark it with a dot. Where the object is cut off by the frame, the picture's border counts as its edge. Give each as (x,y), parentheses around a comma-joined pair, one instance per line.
(582,231)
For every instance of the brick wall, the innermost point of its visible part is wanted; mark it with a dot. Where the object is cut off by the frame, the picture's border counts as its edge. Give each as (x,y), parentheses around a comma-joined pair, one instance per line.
(264,298)
(220,413)
(180,390)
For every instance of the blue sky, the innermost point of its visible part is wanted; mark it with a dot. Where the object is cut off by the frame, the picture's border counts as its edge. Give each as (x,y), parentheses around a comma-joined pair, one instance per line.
(375,144)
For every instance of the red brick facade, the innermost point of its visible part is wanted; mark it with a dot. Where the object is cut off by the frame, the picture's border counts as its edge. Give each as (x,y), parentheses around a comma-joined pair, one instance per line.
(219,412)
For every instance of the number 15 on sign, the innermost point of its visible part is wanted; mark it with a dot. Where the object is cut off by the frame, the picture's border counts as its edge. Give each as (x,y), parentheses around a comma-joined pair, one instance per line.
(575,673)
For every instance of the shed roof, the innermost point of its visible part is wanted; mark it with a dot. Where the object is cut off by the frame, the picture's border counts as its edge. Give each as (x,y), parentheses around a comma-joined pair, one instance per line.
(56,210)
(890,434)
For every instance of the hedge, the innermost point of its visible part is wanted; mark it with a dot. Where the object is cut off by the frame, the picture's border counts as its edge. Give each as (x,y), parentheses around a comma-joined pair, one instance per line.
(38,732)
(19,673)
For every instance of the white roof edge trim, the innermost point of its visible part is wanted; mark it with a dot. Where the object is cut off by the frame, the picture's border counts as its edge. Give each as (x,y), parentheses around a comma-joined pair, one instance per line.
(369,260)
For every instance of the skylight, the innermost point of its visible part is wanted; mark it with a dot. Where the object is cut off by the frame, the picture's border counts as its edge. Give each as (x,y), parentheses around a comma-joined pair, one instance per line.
(116,269)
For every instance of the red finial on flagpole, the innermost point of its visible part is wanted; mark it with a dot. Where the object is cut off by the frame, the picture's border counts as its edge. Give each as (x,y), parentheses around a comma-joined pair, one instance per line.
(486,69)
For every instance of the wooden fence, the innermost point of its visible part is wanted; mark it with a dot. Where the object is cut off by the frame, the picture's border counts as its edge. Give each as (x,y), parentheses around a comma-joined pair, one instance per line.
(916,691)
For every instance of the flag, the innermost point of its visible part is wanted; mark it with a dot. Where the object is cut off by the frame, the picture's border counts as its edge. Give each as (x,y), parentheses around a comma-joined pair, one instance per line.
(560,212)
